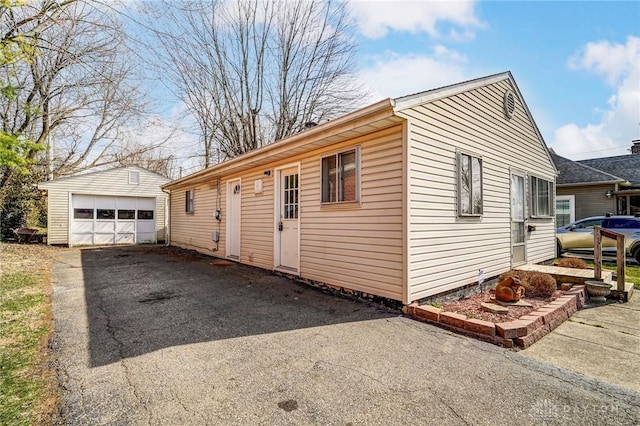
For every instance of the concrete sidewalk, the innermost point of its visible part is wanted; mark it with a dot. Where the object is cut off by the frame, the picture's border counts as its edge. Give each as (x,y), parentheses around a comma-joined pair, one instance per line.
(600,341)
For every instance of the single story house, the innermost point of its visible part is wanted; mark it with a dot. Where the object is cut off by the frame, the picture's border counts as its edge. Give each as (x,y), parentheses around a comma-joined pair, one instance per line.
(598,186)
(583,191)
(404,199)
(124,205)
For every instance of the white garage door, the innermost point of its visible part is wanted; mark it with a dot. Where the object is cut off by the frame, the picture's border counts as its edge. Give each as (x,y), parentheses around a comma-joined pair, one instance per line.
(97,220)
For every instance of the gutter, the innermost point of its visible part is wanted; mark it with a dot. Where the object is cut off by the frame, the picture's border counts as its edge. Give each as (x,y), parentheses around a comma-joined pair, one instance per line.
(283,144)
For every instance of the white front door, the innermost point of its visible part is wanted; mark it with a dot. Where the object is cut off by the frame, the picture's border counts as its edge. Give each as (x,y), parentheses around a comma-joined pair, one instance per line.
(518,248)
(234,191)
(288,213)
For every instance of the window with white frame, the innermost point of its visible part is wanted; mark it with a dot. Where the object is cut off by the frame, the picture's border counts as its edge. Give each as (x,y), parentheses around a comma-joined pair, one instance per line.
(134,178)
(189,199)
(340,176)
(470,184)
(541,197)
(565,210)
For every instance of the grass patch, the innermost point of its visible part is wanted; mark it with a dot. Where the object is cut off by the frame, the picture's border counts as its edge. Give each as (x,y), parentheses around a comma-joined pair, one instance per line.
(28,388)
(632,272)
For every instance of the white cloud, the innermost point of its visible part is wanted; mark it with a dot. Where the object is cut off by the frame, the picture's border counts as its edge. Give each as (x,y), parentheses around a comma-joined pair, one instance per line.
(619,66)
(376,18)
(394,75)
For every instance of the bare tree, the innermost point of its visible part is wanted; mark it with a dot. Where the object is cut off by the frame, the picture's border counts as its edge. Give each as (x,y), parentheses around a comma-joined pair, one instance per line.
(255,71)
(77,90)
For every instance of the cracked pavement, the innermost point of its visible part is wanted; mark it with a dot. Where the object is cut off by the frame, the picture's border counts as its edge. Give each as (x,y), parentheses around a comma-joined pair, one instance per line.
(144,338)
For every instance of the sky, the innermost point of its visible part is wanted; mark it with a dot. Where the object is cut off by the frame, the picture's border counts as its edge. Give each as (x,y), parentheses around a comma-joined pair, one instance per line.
(577,63)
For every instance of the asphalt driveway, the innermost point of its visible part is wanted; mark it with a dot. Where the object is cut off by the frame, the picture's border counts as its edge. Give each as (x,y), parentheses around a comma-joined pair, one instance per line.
(150,338)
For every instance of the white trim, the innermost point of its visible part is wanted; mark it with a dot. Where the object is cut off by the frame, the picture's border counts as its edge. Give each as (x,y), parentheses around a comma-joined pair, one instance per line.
(572,206)
(524,177)
(277,191)
(411,101)
(230,184)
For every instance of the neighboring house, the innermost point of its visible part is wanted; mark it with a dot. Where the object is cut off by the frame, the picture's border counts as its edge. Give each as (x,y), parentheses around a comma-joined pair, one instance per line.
(583,191)
(404,199)
(628,168)
(119,206)
(598,186)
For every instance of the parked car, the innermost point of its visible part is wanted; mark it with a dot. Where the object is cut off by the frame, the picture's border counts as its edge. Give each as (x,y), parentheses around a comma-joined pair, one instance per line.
(578,235)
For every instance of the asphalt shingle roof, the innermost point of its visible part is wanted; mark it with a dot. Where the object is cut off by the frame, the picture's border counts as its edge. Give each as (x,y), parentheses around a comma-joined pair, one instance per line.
(625,166)
(570,171)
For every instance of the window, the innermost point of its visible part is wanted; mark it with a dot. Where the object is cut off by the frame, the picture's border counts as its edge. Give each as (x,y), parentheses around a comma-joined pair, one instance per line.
(106,214)
(83,213)
(470,184)
(541,197)
(565,210)
(291,196)
(134,178)
(189,197)
(340,175)
(145,214)
(126,214)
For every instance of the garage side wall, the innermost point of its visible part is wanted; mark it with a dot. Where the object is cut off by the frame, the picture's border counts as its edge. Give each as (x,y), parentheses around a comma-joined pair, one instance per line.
(446,251)
(113,182)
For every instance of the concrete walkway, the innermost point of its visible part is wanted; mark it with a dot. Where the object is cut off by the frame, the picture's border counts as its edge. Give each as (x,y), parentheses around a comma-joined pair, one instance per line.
(600,341)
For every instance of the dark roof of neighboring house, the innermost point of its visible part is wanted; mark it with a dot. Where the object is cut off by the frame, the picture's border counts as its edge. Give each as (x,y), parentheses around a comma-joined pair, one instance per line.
(625,166)
(573,172)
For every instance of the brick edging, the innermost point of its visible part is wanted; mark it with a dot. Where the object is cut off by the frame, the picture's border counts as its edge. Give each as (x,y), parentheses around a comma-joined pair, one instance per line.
(522,332)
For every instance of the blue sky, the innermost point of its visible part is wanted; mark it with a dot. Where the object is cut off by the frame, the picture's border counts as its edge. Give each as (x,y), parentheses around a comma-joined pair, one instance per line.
(576,63)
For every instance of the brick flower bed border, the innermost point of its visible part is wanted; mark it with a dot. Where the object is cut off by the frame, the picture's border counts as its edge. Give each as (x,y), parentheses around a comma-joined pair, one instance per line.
(520,333)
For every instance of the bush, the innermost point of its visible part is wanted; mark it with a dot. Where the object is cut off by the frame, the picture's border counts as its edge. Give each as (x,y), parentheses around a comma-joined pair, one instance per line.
(540,284)
(536,284)
(572,262)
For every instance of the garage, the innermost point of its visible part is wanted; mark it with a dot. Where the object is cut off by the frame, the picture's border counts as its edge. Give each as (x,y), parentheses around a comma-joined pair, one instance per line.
(124,205)
(98,220)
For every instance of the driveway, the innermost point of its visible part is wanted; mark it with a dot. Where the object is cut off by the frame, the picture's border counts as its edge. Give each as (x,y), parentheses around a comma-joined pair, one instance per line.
(150,338)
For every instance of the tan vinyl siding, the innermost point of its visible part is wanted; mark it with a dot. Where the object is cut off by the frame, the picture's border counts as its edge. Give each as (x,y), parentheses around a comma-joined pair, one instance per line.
(357,245)
(193,230)
(257,221)
(57,217)
(590,200)
(114,182)
(447,251)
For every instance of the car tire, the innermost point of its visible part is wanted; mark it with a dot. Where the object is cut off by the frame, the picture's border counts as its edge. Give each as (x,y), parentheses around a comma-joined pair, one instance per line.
(558,249)
(636,254)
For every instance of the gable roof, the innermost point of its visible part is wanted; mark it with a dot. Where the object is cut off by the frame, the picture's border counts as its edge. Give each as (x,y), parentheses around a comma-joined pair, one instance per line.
(626,166)
(375,116)
(573,172)
(44,185)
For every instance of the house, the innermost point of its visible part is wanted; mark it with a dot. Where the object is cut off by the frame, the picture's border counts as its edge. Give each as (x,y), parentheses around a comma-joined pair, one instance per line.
(403,199)
(583,191)
(597,186)
(119,206)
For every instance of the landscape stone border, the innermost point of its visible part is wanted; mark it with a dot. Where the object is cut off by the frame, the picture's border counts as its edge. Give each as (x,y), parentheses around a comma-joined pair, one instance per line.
(520,333)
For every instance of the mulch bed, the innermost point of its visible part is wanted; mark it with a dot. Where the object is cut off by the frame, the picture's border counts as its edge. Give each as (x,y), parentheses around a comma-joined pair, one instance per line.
(471,307)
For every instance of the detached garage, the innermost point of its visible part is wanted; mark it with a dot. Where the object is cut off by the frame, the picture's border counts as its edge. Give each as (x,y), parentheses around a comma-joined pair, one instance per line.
(118,206)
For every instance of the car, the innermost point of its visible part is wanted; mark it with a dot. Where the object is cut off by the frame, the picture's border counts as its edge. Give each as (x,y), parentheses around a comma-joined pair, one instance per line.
(578,235)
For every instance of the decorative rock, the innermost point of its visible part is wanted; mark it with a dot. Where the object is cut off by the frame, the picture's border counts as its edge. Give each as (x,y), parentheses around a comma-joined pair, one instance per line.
(565,286)
(493,308)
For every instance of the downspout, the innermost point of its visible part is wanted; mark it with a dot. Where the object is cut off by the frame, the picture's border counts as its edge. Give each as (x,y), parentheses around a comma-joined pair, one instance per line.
(167,219)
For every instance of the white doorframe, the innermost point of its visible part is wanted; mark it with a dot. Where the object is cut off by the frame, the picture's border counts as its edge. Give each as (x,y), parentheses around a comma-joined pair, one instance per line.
(518,219)
(233,238)
(277,207)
